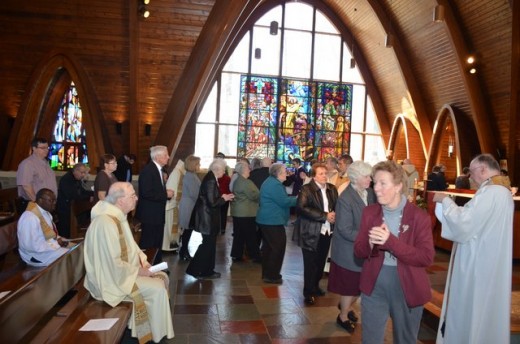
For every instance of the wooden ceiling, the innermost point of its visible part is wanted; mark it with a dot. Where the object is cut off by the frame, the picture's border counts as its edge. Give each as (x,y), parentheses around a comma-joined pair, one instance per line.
(158,70)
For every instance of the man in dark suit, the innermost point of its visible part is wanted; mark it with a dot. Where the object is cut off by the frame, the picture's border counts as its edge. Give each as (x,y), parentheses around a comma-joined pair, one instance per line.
(123,172)
(151,205)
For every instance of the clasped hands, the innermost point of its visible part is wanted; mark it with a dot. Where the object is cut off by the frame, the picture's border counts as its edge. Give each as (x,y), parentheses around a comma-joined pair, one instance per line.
(378,235)
(228,197)
(331,217)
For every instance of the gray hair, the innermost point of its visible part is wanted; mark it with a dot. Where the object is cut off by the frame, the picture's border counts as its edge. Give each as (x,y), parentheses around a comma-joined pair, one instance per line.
(218,164)
(240,167)
(157,150)
(358,169)
(267,162)
(256,164)
(79,165)
(487,160)
(276,169)
(116,191)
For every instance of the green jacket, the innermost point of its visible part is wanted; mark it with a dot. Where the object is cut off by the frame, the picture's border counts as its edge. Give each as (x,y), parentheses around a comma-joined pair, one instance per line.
(246,199)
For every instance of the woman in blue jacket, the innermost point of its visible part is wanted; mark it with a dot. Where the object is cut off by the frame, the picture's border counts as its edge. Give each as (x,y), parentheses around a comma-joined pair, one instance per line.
(271,218)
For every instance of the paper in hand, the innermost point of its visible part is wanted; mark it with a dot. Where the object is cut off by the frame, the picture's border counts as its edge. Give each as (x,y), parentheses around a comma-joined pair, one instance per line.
(158,267)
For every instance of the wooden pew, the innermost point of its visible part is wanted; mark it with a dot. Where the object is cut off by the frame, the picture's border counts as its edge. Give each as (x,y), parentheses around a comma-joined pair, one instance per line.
(8,240)
(64,326)
(78,208)
(35,291)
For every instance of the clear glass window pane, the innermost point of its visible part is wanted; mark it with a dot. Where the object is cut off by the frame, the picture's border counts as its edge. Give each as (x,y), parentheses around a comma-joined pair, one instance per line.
(227,140)
(351,75)
(374,149)
(356,146)
(327,53)
(205,143)
(323,24)
(209,110)
(269,45)
(372,123)
(298,16)
(358,108)
(239,60)
(274,14)
(229,98)
(297,54)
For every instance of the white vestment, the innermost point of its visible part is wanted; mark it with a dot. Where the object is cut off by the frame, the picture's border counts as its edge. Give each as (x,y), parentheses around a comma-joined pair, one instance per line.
(477,300)
(111,279)
(33,248)
(174,183)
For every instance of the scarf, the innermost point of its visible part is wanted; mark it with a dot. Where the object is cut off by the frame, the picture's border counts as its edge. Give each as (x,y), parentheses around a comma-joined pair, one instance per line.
(47,230)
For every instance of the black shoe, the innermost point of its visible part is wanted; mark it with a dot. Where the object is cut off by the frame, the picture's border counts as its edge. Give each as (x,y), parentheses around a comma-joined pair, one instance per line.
(348,325)
(273,281)
(309,300)
(352,317)
(237,259)
(257,260)
(214,275)
(185,257)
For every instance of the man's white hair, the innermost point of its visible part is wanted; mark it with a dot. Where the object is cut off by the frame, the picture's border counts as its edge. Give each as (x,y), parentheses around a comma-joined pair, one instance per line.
(157,150)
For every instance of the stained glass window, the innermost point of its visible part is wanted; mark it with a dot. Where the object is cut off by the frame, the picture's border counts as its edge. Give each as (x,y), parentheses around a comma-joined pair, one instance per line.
(290,90)
(312,120)
(68,145)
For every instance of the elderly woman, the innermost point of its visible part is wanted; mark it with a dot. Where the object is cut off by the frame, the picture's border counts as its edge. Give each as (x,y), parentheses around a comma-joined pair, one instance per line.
(206,220)
(313,228)
(395,239)
(271,218)
(243,210)
(190,193)
(105,177)
(345,268)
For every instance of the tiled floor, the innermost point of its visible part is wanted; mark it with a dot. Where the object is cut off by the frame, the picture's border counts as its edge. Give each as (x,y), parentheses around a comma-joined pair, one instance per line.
(240,308)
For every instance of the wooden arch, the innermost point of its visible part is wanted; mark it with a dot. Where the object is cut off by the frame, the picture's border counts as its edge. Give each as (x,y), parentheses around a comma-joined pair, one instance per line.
(37,114)
(406,142)
(453,129)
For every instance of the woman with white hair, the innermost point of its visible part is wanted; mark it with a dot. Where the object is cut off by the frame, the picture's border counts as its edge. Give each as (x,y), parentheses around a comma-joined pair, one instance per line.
(206,220)
(272,216)
(345,268)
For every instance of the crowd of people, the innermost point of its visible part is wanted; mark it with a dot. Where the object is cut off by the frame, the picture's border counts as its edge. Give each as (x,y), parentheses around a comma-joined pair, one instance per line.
(360,216)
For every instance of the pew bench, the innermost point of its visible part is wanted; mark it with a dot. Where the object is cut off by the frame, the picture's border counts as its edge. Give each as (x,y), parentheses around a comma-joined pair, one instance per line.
(64,326)
(34,292)
(8,240)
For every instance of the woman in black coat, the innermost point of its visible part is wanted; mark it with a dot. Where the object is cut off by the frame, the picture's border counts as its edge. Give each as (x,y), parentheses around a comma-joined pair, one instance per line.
(313,228)
(206,220)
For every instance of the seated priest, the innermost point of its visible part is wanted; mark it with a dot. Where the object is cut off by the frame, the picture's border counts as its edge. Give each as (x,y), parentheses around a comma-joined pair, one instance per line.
(117,269)
(38,241)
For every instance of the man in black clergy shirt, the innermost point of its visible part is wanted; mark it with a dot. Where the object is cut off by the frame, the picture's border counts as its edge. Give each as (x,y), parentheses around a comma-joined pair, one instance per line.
(71,189)
(151,205)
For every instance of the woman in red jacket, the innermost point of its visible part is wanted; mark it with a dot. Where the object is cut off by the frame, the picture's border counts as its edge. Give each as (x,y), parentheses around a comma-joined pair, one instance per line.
(395,239)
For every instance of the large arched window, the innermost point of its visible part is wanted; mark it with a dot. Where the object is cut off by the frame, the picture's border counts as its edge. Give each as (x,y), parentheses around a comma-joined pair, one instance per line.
(68,145)
(290,89)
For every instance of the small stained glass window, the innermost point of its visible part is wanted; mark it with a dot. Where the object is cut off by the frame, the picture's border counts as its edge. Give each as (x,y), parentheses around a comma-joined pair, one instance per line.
(68,145)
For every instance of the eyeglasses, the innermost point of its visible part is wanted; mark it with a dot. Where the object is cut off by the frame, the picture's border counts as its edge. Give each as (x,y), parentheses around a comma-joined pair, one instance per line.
(112,162)
(44,148)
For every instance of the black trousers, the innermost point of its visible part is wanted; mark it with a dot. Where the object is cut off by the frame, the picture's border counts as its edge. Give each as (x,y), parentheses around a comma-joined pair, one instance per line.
(152,237)
(203,263)
(244,233)
(313,265)
(274,240)
(223,216)
(185,240)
